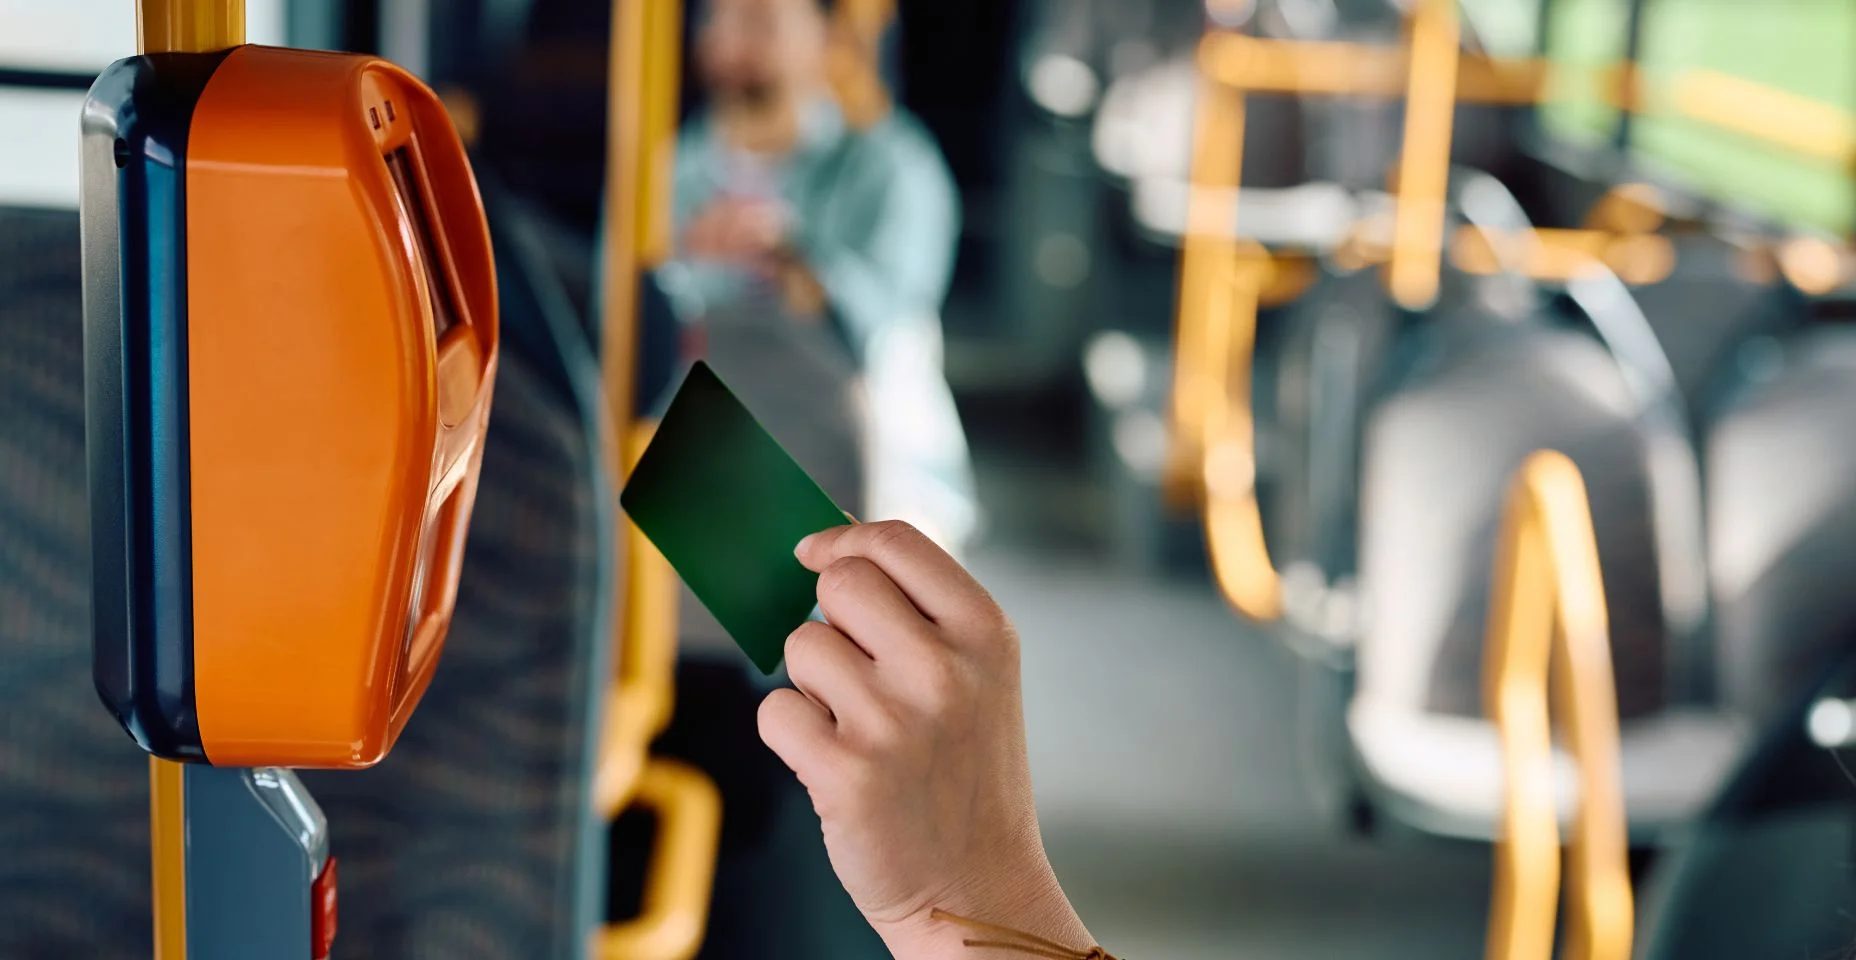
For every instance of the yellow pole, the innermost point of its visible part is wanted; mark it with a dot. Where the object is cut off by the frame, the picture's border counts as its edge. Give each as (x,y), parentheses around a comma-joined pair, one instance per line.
(619,309)
(657,143)
(642,88)
(1424,168)
(167,819)
(1549,615)
(189,26)
(1211,215)
(1234,539)
(642,96)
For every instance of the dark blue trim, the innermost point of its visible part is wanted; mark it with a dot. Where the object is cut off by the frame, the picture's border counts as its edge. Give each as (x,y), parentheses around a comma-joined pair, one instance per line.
(135,127)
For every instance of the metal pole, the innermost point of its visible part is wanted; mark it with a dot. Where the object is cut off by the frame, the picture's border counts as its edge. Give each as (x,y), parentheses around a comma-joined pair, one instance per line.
(189,26)
(1424,167)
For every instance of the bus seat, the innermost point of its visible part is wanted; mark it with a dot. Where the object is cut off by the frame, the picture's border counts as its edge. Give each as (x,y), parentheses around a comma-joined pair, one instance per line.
(1143,129)
(1437,456)
(1704,310)
(1782,517)
(1337,341)
(1766,871)
(469,842)
(73,786)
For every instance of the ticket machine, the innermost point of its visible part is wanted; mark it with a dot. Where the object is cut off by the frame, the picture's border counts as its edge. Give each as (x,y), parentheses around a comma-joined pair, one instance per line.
(291,341)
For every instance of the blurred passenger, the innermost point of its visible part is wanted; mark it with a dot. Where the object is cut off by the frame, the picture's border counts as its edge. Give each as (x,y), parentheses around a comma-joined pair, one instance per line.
(815,234)
(799,200)
(815,227)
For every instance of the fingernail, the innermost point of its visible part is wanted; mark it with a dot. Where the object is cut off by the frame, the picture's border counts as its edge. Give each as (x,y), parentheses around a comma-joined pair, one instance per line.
(800,550)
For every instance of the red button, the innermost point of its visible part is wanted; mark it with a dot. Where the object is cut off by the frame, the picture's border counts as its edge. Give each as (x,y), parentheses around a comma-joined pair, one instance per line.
(322,913)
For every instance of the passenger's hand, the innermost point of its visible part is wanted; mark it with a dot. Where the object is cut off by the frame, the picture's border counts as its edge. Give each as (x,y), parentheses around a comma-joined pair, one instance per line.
(735,230)
(907,729)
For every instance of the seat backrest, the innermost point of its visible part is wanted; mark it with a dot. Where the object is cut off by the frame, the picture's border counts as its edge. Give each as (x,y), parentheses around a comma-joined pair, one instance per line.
(1706,308)
(1782,517)
(73,786)
(469,841)
(1332,356)
(1766,872)
(1438,455)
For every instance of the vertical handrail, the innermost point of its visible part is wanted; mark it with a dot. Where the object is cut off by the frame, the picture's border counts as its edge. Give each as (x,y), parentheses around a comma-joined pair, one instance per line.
(663,79)
(189,26)
(1239,555)
(642,90)
(1212,452)
(1548,615)
(167,818)
(643,82)
(1216,171)
(620,216)
(1424,165)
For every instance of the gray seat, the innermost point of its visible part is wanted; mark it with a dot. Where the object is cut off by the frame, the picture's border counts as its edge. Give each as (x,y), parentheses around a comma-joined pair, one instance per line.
(1782,518)
(471,841)
(1438,457)
(73,786)
(1766,871)
(1706,308)
(1338,341)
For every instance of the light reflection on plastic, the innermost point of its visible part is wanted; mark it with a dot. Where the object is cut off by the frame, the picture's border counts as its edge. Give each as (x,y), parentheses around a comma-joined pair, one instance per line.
(1063,85)
(1115,368)
(1831,723)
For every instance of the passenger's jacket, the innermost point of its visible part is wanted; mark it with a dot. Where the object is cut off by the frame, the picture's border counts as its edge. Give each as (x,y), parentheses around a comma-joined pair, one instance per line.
(875,216)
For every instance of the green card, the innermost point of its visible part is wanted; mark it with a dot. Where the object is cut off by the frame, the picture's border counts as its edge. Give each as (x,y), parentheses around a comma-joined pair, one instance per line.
(725,505)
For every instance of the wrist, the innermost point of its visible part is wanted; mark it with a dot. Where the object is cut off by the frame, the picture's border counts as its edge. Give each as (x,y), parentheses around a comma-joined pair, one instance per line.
(1027,899)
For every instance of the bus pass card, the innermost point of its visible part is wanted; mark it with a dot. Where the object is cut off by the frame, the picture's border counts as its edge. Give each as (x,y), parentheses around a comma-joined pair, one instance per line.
(725,505)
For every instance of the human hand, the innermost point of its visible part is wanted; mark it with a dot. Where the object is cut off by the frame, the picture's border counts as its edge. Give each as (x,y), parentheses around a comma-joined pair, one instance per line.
(907,729)
(736,230)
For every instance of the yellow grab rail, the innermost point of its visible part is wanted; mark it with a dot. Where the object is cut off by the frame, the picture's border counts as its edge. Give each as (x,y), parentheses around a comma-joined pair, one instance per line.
(1548,611)
(167,818)
(1802,125)
(642,85)
(1424,164)
(1332,68)
(643,690)
(676,899)
(1558,255)
(621,218)
(1212,443)
(189,26)
(662,68)
(1240,558)
(1217,166)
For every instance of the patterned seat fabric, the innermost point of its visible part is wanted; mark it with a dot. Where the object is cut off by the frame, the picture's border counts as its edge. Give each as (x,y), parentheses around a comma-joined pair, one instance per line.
(468,842)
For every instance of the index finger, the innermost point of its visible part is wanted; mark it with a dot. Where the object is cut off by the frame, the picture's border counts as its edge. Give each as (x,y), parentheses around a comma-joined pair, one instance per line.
(934,582)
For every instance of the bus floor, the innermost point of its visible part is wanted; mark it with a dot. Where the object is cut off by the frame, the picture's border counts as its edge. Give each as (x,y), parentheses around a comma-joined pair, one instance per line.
(1169,788)
(1163,752)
